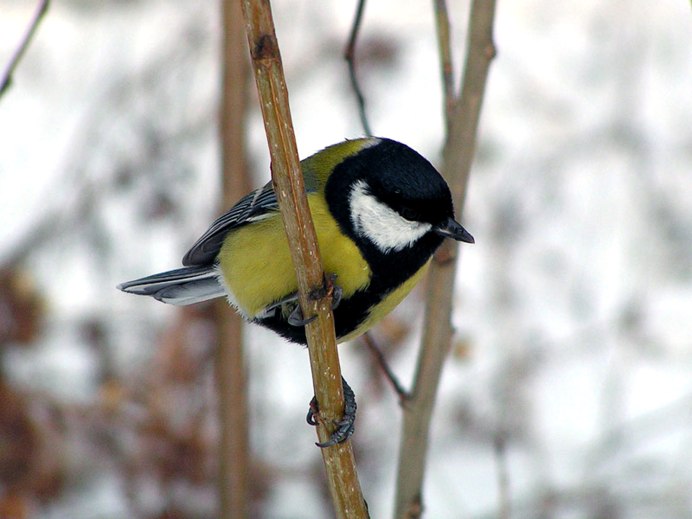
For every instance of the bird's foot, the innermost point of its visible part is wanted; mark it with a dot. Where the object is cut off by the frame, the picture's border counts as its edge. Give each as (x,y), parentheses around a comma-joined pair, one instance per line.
(296,317)
(346,426)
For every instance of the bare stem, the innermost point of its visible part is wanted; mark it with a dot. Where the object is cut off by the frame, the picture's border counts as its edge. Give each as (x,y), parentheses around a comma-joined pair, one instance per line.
(500,448)
(234,449)
(350,56)
(6,76)
(461,140)
(388,373)
(444,48)
(288,182)
(463,117)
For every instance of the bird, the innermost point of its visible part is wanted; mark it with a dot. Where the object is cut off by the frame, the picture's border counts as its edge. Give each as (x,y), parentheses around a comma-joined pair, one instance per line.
(380,211)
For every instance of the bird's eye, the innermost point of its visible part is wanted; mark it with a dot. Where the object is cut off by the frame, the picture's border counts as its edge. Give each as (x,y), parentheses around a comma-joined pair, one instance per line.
(408,213)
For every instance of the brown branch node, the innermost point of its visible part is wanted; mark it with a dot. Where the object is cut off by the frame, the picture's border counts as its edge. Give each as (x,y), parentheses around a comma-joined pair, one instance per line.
(265,48)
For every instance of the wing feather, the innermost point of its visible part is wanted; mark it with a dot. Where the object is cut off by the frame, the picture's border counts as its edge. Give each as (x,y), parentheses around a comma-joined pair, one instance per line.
(252,207)
(255,206)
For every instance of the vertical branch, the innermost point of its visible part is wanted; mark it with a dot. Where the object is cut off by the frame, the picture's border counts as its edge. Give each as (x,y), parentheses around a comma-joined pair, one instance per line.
(460,146)
(350,56)
(290,190)
(233,454)
(500,448)
(462,116)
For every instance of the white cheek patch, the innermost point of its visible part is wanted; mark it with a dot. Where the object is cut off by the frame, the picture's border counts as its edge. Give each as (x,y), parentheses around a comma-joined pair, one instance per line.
(380,224)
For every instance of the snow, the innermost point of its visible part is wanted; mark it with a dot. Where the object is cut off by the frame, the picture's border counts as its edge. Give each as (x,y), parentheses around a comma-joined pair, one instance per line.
(574,301)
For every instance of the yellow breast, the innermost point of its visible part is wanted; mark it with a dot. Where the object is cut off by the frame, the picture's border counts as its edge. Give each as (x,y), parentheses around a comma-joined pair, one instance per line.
(380,310)
(257,268)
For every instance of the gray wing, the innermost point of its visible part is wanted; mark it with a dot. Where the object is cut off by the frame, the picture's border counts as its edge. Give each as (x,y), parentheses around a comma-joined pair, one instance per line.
(257,205)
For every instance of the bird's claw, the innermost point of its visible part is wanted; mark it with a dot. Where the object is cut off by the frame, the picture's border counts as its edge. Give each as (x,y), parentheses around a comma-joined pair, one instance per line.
(296,317)
(346,426)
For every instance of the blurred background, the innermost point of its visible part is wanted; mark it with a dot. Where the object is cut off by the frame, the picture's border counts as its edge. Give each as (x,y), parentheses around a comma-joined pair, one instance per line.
(573,309)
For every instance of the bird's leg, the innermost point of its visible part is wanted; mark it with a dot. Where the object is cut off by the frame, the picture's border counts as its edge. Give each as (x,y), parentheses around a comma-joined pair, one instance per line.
(346,426)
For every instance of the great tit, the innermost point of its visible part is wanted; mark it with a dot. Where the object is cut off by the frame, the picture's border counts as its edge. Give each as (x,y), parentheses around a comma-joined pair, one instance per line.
(380,211)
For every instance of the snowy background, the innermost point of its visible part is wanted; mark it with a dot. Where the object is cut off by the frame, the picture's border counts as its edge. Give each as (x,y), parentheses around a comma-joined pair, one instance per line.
(574,307)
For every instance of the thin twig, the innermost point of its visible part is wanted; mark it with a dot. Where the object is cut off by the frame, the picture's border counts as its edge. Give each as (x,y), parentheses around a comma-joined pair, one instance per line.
(233,447)
(6,77)
(339,461)
(500,449)
(458,154)
(350,56)
(444,49)
(402,393)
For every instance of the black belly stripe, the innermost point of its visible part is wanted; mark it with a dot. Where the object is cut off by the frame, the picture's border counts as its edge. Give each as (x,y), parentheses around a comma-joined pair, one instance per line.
(389,272)
(349,314)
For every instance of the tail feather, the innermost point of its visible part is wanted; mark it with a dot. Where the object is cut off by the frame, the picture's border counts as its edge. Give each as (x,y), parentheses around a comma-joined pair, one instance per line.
(181,287)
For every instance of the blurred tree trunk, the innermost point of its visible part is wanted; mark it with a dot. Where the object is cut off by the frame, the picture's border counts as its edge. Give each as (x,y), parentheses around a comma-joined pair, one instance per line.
(233,455)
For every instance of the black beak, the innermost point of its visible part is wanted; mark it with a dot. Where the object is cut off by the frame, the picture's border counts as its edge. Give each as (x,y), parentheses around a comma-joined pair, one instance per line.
(454,230)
